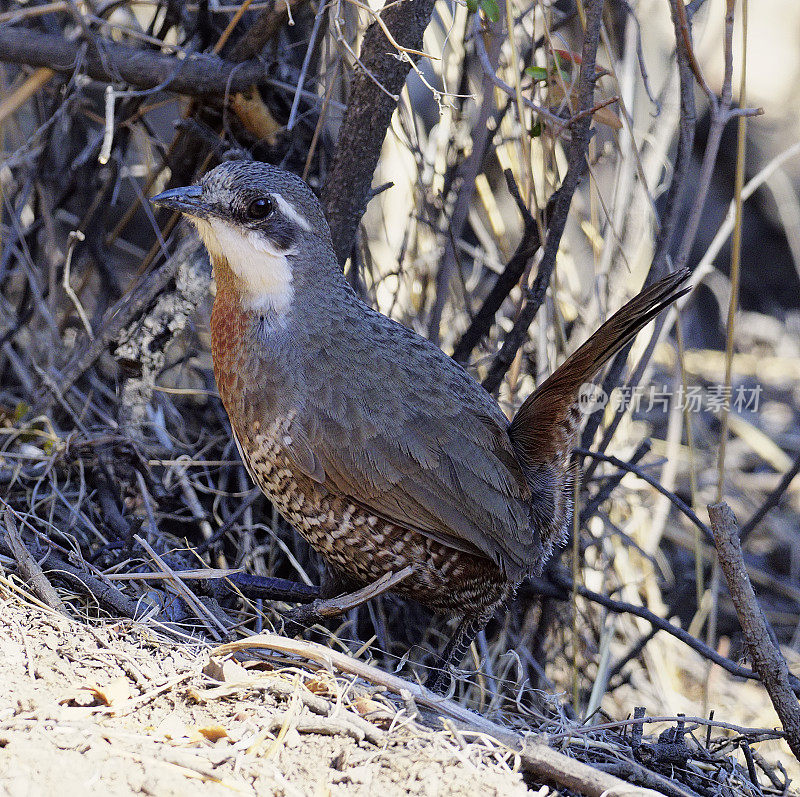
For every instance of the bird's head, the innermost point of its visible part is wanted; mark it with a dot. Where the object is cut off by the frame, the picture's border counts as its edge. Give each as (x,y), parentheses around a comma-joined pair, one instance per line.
(262,227)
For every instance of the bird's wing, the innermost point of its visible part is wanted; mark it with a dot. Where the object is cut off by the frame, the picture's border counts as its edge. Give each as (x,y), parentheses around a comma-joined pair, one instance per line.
(434,457)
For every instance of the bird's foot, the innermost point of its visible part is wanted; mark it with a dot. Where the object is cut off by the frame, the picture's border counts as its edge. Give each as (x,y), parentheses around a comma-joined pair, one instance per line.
(441,679)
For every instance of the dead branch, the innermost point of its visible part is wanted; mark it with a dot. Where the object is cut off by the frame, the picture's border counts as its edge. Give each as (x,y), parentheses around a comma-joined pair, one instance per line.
(29,568)
(263,30)
(197,75)
(373,99)
(537,758)
(765,655)
(552,766)
(771,501)
(564,585)
(87,584)
(528,246)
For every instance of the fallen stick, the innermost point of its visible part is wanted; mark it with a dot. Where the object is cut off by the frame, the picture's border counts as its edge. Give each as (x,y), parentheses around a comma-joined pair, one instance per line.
(29,568)
(196,74)
(764,654)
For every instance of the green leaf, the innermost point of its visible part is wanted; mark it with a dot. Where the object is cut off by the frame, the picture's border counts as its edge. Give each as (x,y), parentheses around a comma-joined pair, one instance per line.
(563,66)
(536,130)
(491,9)
(472,6)
(537,72)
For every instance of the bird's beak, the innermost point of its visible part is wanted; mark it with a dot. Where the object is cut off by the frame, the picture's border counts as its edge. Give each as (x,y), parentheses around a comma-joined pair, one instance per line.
(188,200)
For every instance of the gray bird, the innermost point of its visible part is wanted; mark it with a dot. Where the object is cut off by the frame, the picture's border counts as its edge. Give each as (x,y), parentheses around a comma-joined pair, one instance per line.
(378,448)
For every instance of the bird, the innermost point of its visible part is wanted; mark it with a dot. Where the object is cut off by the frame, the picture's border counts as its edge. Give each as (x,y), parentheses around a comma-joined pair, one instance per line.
(375,445)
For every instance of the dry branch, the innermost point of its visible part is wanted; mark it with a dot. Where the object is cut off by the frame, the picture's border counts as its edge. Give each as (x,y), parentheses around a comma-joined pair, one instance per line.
(565,585)
(765,655)
(373,99)
(105,594)
(196,75)
(772,499)
(263,30)
(506,281)
(29,568)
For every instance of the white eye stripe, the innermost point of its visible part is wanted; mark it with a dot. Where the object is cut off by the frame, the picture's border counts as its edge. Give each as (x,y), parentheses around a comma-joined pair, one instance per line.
(289,210)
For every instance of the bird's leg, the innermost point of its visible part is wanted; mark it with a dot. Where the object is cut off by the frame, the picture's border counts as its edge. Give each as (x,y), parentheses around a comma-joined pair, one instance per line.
(335,583)
(468,628)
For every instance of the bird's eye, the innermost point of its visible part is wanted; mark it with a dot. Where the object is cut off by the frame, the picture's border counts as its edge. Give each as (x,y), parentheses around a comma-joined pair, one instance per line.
(260,208)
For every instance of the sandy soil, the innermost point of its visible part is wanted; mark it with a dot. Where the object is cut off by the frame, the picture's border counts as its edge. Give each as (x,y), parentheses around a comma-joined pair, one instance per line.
(116,711)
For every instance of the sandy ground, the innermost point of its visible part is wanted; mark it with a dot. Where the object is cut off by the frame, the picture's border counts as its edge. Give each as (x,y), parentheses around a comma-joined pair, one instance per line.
(115,711)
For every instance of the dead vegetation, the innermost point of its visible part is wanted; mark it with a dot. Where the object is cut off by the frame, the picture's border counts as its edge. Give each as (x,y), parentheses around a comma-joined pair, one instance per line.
(122,706)
(125,503)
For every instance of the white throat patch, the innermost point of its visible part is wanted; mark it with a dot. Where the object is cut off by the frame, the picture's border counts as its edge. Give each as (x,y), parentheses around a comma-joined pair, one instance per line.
(263,270)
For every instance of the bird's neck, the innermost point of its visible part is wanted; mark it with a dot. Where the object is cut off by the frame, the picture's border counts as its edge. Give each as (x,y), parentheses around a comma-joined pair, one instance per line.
(226,281)
(252,362)
(250,265)
(229,323)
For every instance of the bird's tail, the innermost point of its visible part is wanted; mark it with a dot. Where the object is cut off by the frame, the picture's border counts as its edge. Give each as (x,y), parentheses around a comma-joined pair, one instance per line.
(548,406)
(545,429)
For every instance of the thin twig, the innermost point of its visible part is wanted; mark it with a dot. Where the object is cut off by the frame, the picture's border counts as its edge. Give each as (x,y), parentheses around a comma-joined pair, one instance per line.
(369,111)
(312,41)
(565,585)
(653,482)
(771,501)
(506,281)
(490,73)
(207,617)
(264,29)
